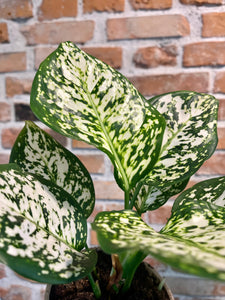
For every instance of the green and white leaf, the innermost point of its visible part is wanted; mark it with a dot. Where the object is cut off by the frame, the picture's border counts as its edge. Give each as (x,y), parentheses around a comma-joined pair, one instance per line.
(193,239)
(38,153)
(189,139)
(190,136)
(83,98)
(41,230)
(151,197)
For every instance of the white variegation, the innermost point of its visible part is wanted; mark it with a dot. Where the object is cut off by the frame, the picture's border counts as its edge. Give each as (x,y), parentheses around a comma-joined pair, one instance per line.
(38,153)
(81,97)
(195,252)
(190,135)
(42,232)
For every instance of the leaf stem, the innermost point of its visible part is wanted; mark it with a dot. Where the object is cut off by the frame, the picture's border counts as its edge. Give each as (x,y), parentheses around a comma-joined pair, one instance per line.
(127,198)
(95,286)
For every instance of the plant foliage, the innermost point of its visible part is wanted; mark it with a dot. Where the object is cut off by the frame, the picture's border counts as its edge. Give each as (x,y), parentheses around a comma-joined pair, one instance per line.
(156,145)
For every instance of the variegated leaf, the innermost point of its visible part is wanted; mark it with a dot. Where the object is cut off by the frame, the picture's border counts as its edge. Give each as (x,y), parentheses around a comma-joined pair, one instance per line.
(38,153)
(41,230)
(151,197)
(190,136)
(83,98)
(192,240)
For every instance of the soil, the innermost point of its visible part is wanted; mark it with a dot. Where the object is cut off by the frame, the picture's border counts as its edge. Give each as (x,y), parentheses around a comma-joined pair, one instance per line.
(143,287)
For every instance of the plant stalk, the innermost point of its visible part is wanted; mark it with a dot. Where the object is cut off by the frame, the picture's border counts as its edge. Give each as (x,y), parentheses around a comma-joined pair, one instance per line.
(95,286)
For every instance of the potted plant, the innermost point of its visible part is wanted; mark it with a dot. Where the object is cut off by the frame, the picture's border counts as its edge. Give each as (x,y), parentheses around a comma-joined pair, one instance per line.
(156,145)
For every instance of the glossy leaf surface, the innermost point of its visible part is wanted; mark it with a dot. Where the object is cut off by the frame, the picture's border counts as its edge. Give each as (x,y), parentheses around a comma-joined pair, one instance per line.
(38,153)
(83,98)
(192,240)
(41,231)
(189,139)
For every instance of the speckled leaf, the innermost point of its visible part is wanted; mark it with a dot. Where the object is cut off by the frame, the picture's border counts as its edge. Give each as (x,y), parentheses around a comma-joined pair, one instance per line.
(38,153)
(192,240)
(41,231)
(190,136)
(83,98)
(189,139)
(151,197)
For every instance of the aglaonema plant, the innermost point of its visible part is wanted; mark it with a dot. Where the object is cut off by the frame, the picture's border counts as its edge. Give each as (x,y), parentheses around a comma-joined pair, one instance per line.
(155,146)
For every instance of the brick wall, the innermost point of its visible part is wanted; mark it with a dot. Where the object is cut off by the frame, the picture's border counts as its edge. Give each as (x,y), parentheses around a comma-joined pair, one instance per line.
(161,45)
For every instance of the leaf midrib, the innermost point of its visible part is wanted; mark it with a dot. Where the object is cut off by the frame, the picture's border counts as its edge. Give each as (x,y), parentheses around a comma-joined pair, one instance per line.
(112,148)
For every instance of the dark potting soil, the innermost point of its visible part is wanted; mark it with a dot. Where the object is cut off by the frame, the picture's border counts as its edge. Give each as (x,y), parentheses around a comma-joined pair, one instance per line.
(143,287)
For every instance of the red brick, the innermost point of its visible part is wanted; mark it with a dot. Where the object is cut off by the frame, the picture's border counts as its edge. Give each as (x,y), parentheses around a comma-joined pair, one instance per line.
(41,53)
(3,292)
(4,158)
(151,57)
(158,84)
(103,5)
(18,86)
(18,292)
(108,190)
(12,62)
(5,112)
(221,112)
(151,4)
(114,206)
(147,27)
(4,36)
(57,32)
(16,9)
(94,163)
(98,208)
(204,54)
(221,138)
(57,136)
(9,136)
(201,2)
(219,84)
(54,9)
(160,215)
(2,271)
(93,238)
(213,24)
(110,55)
(215,165)
(81,145)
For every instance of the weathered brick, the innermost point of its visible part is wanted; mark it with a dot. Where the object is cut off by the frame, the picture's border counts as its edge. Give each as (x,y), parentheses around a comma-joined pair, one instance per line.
(18,86)
(219,84)
(151,57)
(94,163)
(103,5)
(201,2)
(4,158)
(57,32)
(215,165)
(5,112)
(81,145)
(3,292)
(204,54)
(147,27)
(98,208)
(108,190)
(23,112)
(16,9)
(110,55)
(151,4)
(18,292)
(213,24)
(221,111)
(93,238)
(160,215)
(12,62)
(41,53)
(54,9)
(158,84)
(4,36)
(9,136)
(2,271)
(57,136)
(221,138)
